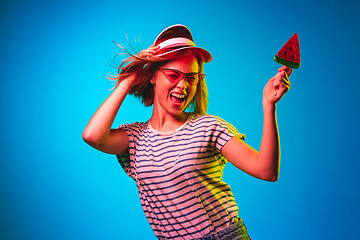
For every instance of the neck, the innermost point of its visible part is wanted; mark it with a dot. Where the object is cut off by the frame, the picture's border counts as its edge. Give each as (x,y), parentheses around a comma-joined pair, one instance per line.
(166,122)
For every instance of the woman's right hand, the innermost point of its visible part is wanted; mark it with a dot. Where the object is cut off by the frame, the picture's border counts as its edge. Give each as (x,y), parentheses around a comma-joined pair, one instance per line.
(149,52)
(146,54)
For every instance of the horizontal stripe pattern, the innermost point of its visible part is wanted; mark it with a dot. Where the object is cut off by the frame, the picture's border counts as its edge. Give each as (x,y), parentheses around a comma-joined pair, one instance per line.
(179,176)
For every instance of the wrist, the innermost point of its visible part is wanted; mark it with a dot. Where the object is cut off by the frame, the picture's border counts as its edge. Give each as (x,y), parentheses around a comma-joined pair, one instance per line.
(125,84)
(269,107)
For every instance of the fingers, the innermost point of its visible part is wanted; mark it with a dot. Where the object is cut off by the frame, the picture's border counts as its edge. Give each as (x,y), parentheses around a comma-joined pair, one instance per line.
(282,68)
(149,52)
(286,69)
(286,80)
(288,72)
(153,49)
(278,85)
(281,82)
(284,72)
(279,89)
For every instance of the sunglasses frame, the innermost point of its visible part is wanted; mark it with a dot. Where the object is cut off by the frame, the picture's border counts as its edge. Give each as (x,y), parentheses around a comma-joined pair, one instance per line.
(201,76)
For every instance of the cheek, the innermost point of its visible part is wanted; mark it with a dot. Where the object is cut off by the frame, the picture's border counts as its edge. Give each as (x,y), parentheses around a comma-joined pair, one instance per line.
(160,86)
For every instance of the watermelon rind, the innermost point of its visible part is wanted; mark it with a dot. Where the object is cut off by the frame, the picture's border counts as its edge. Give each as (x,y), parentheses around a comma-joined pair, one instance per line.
(286,63)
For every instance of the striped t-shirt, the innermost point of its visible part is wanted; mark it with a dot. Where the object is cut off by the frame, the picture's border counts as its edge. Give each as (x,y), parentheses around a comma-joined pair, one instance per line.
(179,176)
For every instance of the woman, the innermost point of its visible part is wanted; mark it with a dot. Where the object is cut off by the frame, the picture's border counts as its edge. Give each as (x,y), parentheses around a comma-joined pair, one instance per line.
(177,157)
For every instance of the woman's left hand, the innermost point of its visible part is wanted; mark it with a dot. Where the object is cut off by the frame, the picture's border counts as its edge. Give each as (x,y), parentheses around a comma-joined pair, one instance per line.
(277,86)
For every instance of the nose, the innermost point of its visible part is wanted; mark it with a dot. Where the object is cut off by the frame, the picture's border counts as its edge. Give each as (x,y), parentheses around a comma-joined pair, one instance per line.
(183,84)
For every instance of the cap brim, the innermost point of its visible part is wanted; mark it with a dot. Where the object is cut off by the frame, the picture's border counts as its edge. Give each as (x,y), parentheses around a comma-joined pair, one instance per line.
(206,56)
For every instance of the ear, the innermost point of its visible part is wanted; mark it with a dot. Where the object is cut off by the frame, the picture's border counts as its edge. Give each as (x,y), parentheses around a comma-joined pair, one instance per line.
(152,81)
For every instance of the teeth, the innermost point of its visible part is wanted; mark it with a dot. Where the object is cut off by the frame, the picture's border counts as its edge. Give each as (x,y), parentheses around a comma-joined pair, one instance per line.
(178,95)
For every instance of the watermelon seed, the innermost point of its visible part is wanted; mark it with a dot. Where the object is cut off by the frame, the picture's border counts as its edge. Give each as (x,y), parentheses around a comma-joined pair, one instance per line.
(293,56)
(285,53)
(291,48)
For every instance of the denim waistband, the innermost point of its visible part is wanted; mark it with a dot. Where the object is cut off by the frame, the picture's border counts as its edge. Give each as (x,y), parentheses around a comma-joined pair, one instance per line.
(236,231)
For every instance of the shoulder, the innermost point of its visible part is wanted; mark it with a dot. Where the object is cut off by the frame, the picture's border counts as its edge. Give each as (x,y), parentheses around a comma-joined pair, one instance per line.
(215,125)
(134,127)
(208,119)
(208,122)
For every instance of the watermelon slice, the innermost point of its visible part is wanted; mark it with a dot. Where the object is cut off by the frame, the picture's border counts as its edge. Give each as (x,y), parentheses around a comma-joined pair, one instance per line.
(289,54)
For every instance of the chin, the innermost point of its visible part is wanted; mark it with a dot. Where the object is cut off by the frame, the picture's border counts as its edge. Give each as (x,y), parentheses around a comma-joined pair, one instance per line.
(177,111)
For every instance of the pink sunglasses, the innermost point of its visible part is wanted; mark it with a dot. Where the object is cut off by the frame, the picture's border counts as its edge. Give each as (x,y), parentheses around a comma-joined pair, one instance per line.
(176,76)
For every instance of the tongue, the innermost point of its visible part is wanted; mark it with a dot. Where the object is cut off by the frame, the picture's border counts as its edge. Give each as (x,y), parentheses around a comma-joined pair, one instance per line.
(176,100)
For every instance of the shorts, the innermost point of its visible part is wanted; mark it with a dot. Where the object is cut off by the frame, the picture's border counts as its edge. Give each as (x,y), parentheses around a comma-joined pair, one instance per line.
(236,231)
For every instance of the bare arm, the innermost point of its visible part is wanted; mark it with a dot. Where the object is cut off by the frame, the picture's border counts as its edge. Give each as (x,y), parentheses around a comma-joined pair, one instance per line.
(98,132)
(264,164)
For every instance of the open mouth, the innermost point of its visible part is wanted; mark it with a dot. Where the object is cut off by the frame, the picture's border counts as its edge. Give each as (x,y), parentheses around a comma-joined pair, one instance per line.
(177,98)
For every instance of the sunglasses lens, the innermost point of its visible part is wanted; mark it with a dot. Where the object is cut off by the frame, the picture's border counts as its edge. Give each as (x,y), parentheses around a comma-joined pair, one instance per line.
(192,78)
(173,76)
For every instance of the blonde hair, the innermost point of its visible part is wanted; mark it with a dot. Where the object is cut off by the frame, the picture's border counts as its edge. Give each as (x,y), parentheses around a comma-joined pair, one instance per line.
(145,67)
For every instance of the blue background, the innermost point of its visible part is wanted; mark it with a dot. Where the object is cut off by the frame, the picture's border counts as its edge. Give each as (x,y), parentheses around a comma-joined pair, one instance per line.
(53,59)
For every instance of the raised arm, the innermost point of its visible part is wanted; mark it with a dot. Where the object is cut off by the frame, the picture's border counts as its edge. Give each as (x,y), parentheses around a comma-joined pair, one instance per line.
(264,164)
(98,132)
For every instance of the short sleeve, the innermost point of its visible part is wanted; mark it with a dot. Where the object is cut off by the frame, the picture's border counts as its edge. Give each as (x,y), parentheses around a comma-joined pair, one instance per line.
(127,160)
(224,132)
